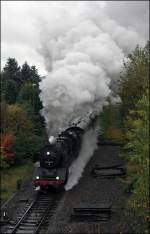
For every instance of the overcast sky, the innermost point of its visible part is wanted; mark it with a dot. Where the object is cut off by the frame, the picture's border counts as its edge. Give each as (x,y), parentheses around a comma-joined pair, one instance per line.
(22,22)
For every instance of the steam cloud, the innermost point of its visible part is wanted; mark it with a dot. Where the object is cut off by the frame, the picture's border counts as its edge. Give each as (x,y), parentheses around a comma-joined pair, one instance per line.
(83,49)
(89,144)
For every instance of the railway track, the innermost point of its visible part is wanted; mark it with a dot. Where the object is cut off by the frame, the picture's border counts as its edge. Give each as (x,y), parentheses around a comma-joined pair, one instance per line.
(34,216)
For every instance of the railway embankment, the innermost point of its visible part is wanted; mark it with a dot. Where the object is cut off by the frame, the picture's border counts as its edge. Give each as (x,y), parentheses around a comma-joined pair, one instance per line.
(13,178)
(97,204)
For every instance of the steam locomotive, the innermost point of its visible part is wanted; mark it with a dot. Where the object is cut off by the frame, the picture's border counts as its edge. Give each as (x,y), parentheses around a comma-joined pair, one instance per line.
(55,158)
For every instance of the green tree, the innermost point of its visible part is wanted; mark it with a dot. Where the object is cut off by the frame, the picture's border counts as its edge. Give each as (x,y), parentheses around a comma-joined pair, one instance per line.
(134,92)
(10,81)
(137,135)
(135,78)
(29,74)
(17,120)
(10,91)
(20,107)
(26,72)
(4,111)
(35,75)
(27,146)
(12,70)
(29,137)
(30,93)
(137,150)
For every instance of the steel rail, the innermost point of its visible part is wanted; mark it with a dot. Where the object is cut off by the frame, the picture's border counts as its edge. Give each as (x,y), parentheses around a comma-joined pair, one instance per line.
(33,218)
(23,217)
(42,220)
(43,201)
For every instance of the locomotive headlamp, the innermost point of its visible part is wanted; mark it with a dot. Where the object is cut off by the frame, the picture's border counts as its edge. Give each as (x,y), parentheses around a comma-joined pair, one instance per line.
(48,153)
(57,177)
(37,177)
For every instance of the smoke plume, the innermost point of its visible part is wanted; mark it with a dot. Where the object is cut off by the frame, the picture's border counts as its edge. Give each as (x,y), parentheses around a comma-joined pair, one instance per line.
(83,49)
(76,169)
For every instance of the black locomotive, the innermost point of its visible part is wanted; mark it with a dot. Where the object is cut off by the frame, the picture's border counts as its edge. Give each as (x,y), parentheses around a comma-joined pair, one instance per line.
(55,158)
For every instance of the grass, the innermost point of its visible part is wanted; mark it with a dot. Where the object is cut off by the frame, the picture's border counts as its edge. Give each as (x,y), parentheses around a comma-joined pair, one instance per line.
(10,176)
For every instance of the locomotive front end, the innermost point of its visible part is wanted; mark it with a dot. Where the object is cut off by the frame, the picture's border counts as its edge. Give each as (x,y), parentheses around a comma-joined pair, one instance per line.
(49,171)
(44,178)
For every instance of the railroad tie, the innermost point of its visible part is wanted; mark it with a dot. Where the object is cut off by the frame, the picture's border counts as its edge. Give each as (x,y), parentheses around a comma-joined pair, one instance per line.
(92,212)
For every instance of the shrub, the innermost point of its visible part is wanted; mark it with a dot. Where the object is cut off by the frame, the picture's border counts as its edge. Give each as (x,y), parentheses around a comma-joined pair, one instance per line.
(7,154)
(137,151)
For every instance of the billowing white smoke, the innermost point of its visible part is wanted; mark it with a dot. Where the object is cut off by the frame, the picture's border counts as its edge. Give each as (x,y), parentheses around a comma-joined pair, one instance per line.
(83,49)
(89,144)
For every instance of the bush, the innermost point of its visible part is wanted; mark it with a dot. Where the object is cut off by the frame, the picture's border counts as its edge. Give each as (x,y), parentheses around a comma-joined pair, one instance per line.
(7,154)
(135,78)
(27,146)
(3,161)
(111,122)
(137,151)
(134,92)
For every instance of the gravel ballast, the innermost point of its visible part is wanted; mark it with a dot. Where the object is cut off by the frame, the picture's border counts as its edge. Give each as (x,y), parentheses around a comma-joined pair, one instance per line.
(92,191)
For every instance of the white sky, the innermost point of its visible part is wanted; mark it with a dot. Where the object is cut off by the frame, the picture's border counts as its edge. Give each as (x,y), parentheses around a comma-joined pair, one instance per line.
(21,23)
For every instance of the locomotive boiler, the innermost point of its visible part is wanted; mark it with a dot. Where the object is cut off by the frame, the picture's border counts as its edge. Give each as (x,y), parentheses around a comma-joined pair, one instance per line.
(55,158)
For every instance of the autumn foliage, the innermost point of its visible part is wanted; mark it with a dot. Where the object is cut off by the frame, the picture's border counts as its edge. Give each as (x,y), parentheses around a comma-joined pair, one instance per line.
(7,142)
